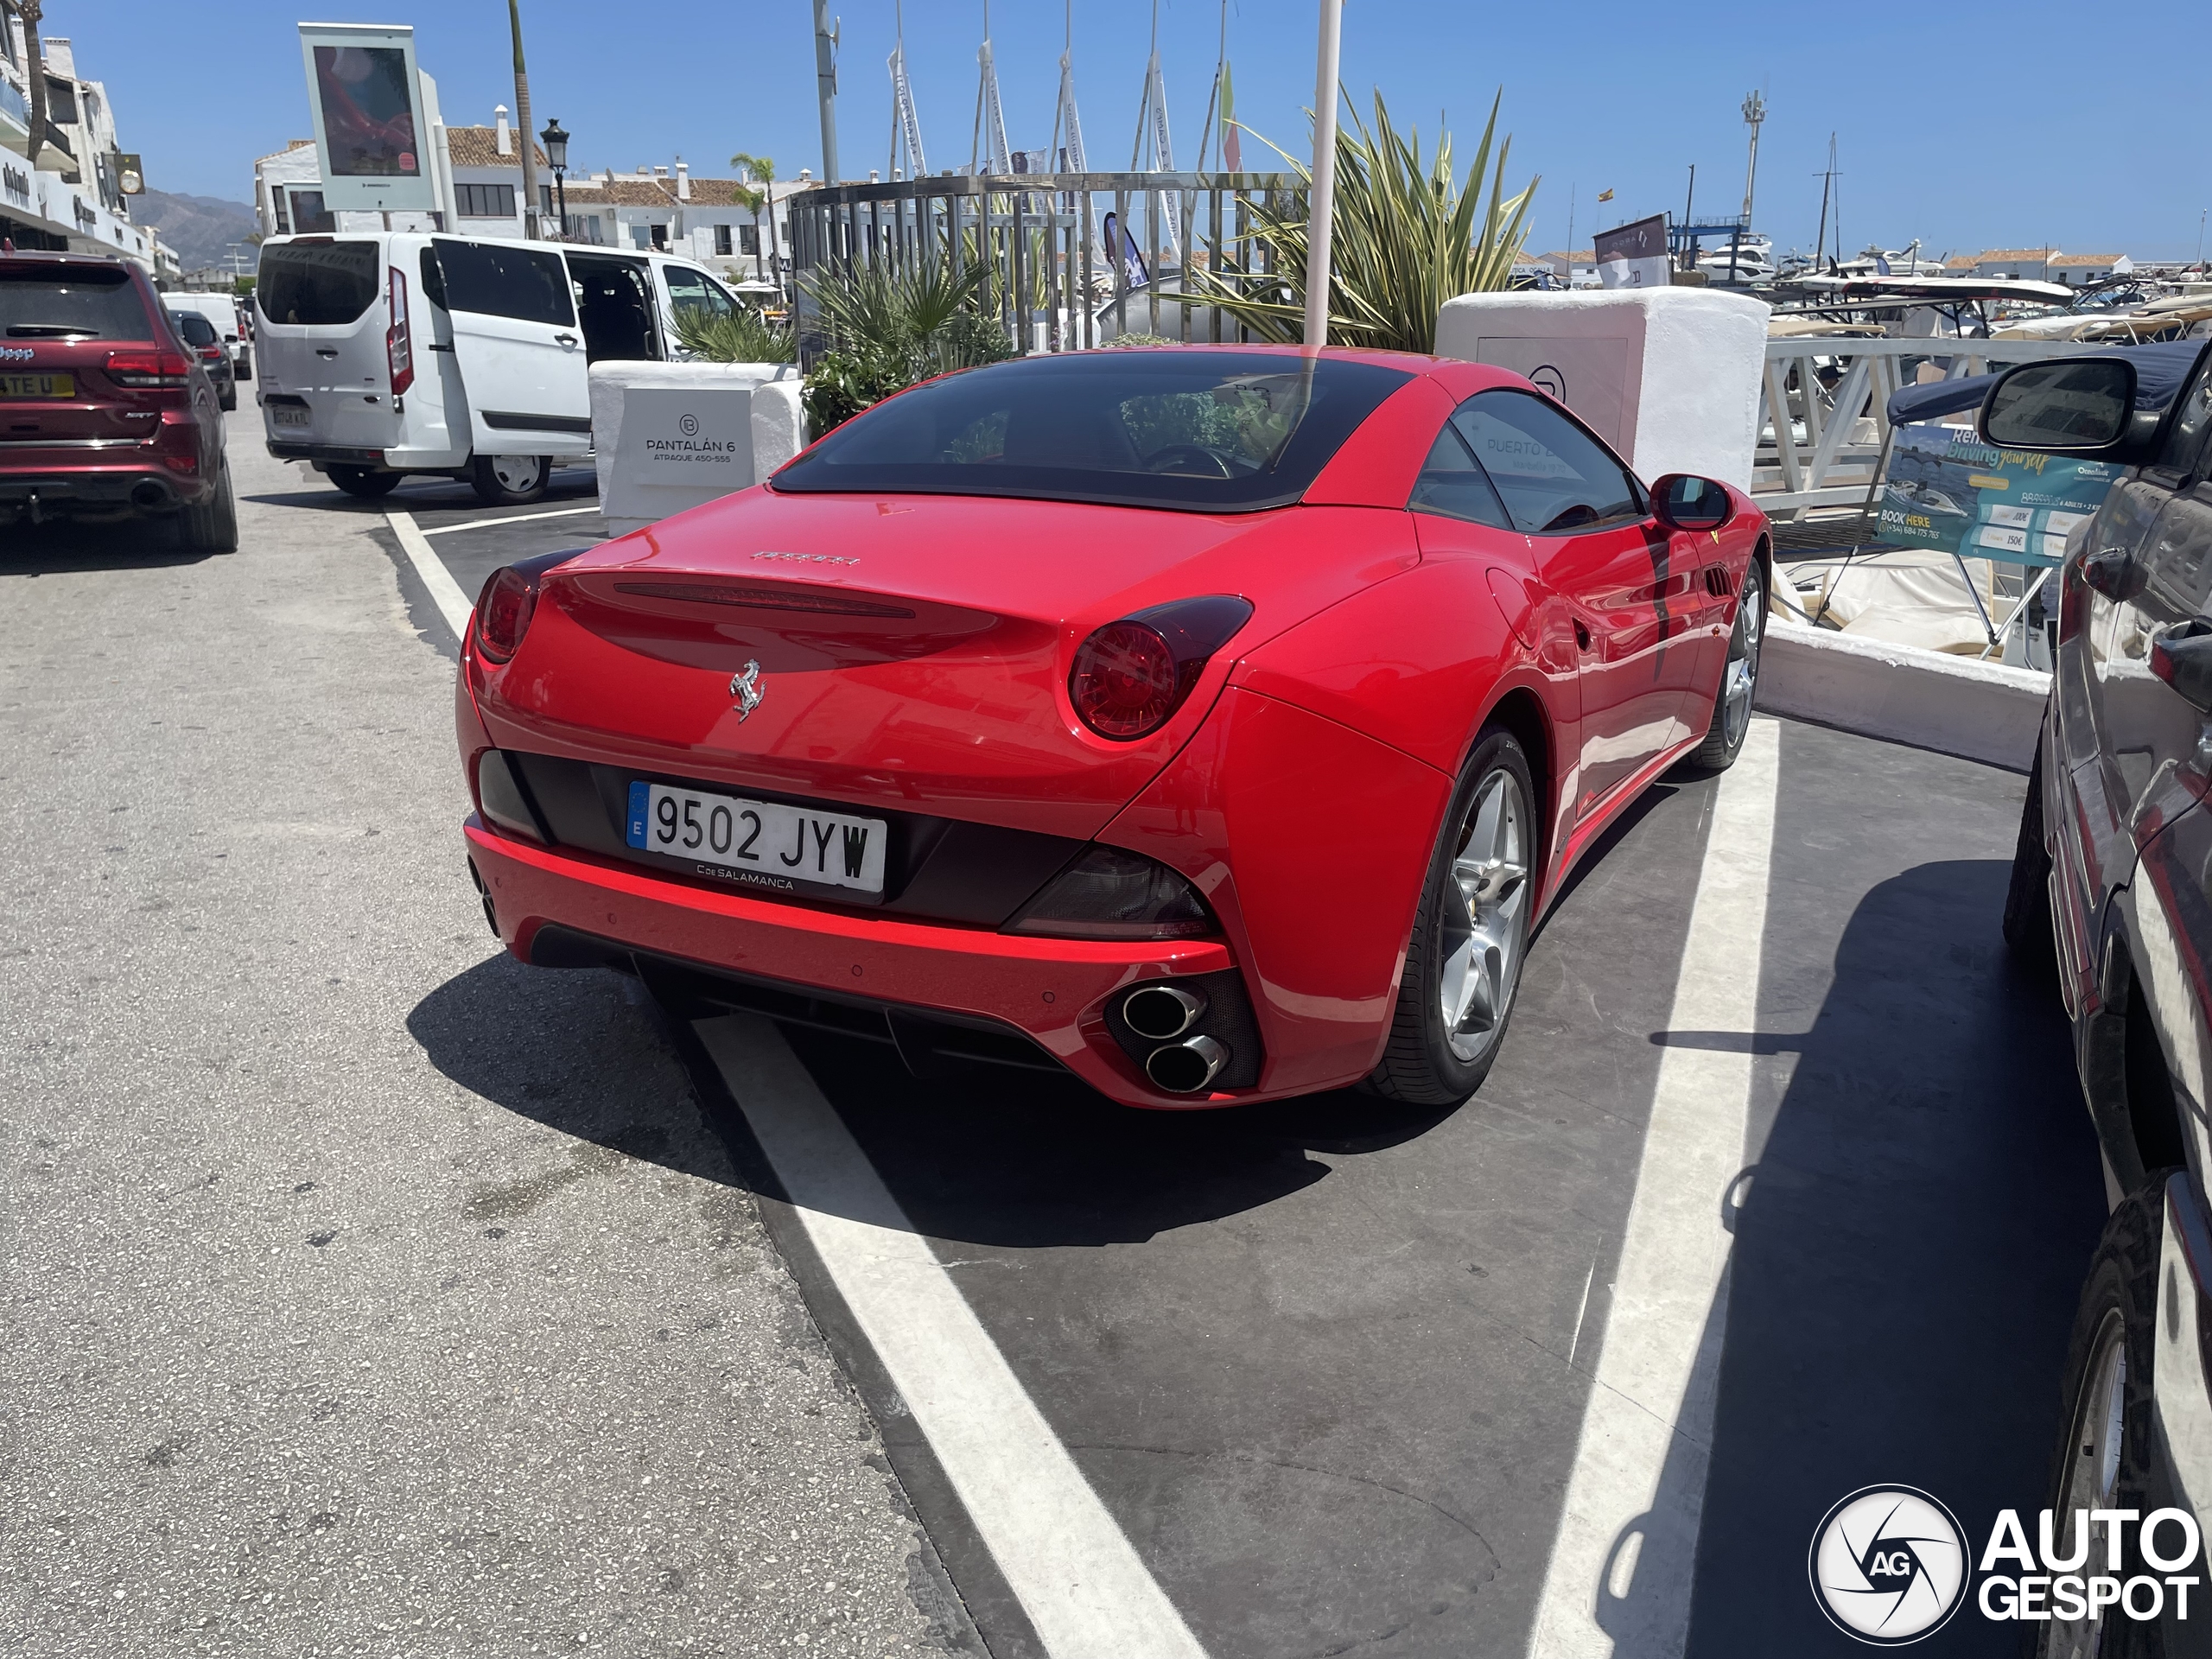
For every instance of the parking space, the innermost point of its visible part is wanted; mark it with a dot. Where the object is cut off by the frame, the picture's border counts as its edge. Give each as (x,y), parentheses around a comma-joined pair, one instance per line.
(505,1292)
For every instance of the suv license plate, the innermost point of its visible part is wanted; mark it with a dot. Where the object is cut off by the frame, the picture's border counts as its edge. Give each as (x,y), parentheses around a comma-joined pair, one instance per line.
(758,843)
(38,385)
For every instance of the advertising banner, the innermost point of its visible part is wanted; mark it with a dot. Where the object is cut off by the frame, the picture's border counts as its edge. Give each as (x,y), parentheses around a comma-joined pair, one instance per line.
(1634,256)
(1949,491)
(371,132)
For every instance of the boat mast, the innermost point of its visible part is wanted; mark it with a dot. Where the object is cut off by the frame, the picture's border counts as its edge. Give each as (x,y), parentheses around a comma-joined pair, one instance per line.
(1151,121)
(990,147)
(906,123)
(1754,116)
(1827,181)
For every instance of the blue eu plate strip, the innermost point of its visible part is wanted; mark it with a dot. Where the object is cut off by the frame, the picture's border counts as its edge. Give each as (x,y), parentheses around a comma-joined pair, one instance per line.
(641,809)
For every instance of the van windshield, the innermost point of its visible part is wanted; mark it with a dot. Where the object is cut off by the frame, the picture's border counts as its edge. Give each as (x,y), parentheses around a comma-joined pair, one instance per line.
(316,282)
(1204,431)
(84,303)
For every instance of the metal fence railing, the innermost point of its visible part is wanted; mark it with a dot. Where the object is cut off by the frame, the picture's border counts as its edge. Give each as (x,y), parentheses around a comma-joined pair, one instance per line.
(1043,235)
(1824,423)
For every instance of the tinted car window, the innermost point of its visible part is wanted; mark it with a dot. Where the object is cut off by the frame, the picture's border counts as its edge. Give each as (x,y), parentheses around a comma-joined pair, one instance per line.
(1452,485)
(693,291)
(89,303)
(497,280)
(2192,416)
(1555,478)
(316,284)
(1205,431)
(195,329)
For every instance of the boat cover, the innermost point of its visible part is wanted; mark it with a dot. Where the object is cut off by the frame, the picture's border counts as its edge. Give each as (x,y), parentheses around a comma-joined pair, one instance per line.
(2160,368)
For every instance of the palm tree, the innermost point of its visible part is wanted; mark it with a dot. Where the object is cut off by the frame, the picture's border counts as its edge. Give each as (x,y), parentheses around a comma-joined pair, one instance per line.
(761,171)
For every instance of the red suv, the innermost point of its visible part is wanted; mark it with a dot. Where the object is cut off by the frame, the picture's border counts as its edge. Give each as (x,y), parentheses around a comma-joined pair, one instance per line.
(104,413)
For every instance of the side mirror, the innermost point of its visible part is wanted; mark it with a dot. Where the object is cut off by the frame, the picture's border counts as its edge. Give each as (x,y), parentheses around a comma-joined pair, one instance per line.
(1685,501)
(2076,406)
(2182,656)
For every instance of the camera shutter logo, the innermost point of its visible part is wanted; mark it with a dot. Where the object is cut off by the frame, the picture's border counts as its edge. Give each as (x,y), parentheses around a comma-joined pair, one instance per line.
(1889,1565)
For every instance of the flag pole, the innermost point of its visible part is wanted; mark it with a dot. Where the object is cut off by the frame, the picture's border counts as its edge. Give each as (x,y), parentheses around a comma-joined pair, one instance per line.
(1322,198)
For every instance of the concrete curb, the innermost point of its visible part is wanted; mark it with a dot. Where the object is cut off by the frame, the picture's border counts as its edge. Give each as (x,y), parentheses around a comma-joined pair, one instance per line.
(1954,705)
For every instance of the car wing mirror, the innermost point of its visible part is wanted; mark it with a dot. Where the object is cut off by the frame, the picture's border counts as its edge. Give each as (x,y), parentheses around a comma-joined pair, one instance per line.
(2071,406)
(2182,656)
(1685,501)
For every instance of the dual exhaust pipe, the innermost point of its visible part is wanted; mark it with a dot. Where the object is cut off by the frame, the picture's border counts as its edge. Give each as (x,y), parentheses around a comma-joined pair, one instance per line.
(1163,1013)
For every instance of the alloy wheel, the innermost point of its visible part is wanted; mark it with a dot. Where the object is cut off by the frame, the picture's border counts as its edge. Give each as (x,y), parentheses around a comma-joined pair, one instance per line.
(1483,925)
(2092,1475)
(1740,678)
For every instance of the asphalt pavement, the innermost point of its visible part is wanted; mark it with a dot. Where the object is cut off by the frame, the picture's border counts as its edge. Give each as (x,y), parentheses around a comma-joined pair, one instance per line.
(365,1292)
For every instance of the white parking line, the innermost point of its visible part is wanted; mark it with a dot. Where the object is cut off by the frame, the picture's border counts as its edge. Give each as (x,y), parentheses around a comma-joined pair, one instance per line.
(1621,1563)
(512,518)
(445,592)
(1077,1576)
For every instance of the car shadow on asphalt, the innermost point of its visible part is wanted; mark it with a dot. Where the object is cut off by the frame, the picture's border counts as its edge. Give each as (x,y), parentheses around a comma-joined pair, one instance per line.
(424,495)
(984,1155)
(54,549)
(1909,1245)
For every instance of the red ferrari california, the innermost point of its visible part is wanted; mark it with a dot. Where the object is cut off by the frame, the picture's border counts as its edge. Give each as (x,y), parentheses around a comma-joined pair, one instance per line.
(1213,723)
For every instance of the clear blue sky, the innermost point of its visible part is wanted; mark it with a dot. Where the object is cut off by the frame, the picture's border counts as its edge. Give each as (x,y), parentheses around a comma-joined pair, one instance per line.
(1968,128)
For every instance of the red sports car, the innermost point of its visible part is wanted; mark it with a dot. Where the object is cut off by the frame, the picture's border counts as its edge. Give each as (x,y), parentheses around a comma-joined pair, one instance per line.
(1212,723)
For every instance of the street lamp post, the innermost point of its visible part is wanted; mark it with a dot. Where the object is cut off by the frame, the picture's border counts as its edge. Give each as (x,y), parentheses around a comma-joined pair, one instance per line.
(556,157)
(1322,196)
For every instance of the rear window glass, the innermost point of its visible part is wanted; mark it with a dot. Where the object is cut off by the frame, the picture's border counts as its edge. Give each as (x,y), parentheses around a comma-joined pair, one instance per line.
(83,304)
(1204,431)
(196,330)
(317,283)
(502,280)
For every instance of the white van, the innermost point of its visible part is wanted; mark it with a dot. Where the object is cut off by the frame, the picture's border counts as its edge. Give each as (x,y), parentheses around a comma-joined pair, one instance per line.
(391,352)
(222,311)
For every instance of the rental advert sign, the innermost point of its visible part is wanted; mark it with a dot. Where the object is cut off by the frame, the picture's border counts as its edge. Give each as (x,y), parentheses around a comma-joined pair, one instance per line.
(1949,491)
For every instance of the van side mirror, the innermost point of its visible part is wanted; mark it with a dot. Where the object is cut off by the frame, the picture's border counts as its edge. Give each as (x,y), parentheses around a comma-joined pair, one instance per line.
(2076,406)
(1685,501)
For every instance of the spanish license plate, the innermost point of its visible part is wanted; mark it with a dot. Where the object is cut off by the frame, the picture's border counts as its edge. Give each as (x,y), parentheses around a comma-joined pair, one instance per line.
(38,385)
(758,843)
(291,415)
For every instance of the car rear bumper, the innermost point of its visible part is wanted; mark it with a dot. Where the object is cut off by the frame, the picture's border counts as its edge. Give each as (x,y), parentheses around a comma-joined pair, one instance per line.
(551,905)
(344,455)
(137,482)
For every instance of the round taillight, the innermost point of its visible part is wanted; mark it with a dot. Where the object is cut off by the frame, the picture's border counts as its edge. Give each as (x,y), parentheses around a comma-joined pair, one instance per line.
(503,613)
(1123,684)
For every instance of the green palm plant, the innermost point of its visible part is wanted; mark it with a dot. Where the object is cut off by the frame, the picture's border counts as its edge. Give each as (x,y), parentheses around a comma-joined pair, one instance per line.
(740,336)
(761,171)
(890,327)
(1407,237)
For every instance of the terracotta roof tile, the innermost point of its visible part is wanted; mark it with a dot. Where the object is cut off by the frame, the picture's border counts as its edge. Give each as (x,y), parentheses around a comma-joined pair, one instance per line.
(2016,256)
(478,146)
(2084,259)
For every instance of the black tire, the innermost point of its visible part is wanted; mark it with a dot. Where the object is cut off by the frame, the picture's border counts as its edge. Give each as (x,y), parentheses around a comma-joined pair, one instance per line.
(1739,675)
(230,399)
(246,365)
(1435,1057)
(211,526)
(2103,1458)
(2027,898)
(364,481)
(510,481)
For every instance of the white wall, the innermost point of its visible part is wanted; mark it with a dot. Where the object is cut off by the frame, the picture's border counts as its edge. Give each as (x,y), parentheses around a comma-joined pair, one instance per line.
(1669,376)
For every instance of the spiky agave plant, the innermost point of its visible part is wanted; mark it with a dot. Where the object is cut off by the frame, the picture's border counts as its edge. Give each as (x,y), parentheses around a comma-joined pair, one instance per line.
(890,327)
(740,336)
(1406,237)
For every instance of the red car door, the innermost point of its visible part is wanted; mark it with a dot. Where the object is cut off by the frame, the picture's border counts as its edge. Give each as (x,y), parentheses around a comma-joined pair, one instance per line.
(1597,549)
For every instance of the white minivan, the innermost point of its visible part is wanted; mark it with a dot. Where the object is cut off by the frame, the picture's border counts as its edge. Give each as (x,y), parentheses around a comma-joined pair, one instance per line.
(392,353)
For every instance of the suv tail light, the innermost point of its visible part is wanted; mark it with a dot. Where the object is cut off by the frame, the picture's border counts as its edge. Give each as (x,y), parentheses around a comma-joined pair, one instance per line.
(399,342)
(210,353)
(141,370)
(1130,676)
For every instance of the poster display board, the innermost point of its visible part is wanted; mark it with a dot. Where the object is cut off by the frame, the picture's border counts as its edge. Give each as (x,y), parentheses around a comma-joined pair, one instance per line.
(1634,256)
(1947,490)
(371,131)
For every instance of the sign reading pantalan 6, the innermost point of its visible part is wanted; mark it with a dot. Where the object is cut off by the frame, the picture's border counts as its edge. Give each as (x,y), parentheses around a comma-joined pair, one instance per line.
(1946,489)
(699,439)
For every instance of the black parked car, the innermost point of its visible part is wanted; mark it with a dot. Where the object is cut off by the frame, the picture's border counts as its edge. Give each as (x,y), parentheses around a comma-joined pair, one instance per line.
(200,334)
(2114,874)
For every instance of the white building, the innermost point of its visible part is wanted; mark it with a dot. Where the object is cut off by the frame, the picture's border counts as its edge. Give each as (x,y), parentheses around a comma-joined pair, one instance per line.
(71,201)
